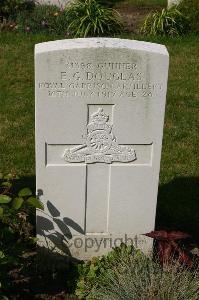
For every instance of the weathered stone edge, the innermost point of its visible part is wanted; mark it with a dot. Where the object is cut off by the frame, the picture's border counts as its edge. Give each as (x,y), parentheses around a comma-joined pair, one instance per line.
(81,43)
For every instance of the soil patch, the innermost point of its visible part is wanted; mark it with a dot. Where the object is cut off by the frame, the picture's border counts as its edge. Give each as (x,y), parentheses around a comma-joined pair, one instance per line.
(133,17)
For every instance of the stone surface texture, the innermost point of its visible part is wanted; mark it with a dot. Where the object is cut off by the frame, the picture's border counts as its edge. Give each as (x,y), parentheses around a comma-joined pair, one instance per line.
(100,107)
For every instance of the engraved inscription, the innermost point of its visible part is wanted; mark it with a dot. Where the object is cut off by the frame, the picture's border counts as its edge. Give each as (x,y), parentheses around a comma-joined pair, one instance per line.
(100,144)
(103,79)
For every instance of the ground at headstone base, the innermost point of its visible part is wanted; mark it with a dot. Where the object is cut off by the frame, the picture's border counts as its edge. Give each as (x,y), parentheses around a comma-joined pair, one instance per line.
(43,276)
(47,277)
(40,274)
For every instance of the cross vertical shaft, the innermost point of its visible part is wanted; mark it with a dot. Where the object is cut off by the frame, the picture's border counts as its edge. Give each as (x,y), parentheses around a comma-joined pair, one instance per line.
(97,197)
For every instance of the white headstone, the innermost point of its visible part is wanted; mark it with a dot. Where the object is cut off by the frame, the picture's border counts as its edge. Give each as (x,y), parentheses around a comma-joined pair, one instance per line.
(173,2)
(99,123)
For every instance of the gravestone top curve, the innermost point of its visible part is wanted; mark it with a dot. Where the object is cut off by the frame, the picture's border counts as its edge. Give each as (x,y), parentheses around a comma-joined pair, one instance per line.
(100,43)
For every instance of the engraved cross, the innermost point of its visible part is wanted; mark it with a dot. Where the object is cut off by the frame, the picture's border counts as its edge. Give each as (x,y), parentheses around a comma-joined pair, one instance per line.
(99,150)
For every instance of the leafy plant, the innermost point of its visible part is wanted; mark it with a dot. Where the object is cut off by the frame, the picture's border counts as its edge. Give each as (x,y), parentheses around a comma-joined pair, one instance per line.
(168,247)
(11,203)
(89,18)
(126,273)
(169,22)
(43,18)
(89,272)
(17,212)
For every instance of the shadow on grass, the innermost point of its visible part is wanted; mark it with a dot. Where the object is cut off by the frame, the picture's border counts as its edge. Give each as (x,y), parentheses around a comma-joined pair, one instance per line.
(178,206)
(49,273)
(44,274)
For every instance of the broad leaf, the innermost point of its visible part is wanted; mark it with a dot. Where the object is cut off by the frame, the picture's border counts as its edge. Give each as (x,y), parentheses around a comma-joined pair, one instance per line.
(25,192)
(35,203)
(6,184)
(2,255)
(17,203)
(33,240)
(167,235)
(158,235)
(8,176)
(177,235)
(5,199)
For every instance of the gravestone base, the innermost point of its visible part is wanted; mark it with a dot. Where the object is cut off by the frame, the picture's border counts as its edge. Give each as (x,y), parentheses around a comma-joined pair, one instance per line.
(83,247)
(54,235)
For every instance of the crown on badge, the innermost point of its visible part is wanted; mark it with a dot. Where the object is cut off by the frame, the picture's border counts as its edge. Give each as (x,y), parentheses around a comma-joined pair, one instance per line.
(100,116)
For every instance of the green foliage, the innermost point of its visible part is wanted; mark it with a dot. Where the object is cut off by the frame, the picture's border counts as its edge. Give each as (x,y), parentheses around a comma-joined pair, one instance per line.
(43,19)
(89,272)
(25,192)
(9,8)
(169,22)
(4,199)
(16,226)
(10,203)
(17,203)
(88,18)
(126,273)
(32,201)
(80,19)
(190,8)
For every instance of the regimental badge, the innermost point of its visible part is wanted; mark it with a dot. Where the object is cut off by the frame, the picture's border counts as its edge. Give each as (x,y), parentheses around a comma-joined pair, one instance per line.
(100,144)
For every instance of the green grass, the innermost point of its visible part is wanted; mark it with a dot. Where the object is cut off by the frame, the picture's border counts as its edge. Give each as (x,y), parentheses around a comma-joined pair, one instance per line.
(178,193)
(17,102)
(180,146)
